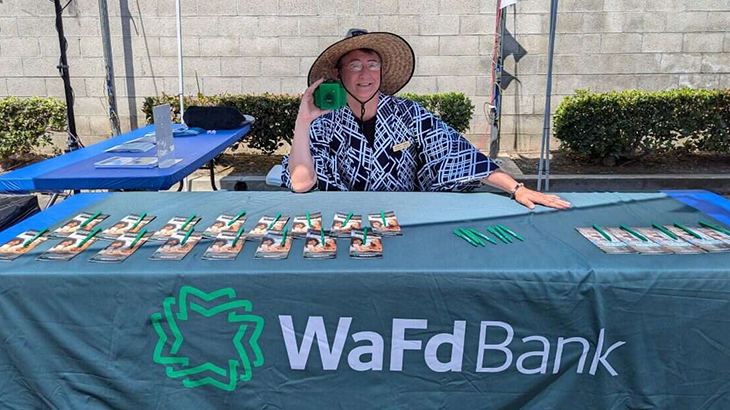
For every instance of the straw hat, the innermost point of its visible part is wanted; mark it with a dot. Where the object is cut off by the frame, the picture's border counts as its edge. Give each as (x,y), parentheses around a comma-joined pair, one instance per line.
(397,58)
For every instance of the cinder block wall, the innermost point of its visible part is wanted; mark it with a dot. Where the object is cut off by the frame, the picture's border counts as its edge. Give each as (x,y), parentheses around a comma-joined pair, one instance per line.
(247,46)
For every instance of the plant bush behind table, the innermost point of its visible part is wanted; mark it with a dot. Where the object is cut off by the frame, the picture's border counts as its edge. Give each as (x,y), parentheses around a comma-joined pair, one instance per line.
(26,123)
(276,113)
(625,124)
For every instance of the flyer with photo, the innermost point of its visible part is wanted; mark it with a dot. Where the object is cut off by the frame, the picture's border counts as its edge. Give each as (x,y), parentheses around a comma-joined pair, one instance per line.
(223,247)
(300,225)
(174,249)
(173,226)
(68,247)
(342,225)
(365,247)
(678,246)
(643,247)
(271,246)
(384,224)
(262,226)
(14,247)
(128,224)
(223,224)
(121,248)
(314,248)
(74,224)
(705,241)
(614,246)
(714,234)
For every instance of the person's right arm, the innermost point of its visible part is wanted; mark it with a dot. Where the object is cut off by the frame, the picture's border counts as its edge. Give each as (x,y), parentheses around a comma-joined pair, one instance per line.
(301,165)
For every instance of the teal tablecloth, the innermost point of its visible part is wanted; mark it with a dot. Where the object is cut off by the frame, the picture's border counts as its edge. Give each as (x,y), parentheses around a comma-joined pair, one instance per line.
(551,323)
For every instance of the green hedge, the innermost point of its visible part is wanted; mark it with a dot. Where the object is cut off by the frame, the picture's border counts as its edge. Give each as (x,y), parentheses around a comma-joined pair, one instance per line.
(630,123)
(25,124)
(276,114)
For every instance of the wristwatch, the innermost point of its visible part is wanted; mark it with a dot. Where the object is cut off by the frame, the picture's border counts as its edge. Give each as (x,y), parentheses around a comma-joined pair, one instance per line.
(514,190)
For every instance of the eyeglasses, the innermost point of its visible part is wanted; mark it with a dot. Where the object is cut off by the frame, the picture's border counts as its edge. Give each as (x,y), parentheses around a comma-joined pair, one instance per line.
(356,66)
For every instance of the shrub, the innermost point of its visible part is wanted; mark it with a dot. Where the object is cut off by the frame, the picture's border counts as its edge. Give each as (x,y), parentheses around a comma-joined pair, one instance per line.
(276,114)
(630,123)
(25,124)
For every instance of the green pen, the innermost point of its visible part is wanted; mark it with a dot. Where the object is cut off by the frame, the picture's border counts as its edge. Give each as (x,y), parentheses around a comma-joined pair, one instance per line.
(605,235)
(689,231)
(89,219)
(365,236)
(36,236)
(141,217)
(382,215)
(509,231)
(481,235)
(715,227)
(504,233)
(138,237)
(347,219)
(633,232)
(309,221)
(665,231)
(497,234)
(190,219)
(283,238)
(321,231)
(187,235)
(238,235)
(475,238)
(89,236)
(464,237)
(235,218)
(276,219)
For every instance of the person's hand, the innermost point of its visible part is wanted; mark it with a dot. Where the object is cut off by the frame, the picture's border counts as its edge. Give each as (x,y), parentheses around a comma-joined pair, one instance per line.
(307,110)
(529,198)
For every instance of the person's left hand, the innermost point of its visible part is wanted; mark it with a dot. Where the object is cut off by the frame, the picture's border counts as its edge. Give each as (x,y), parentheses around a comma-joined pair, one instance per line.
(529,198)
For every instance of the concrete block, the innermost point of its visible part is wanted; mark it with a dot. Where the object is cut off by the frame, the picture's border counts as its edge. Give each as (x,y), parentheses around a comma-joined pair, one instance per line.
(138,87)
(608,83)
(202,66)
(8,27)
(716,63)
(260,46)
(50,47)
(191,27)
(449,65)
(724,80)
(517,104)
(526,6)
(687,22)
(338,8)
(82,129)
(134,8)
(653,82)
(726,43)
(293,85)
(35,67)
(217,8)
(483,85)
(527,84)
(530,64)
(708,5)
(421,85)
(278,26)
(257,7)
(54,87)
(576,43)
(567,23)
(305,63)
(81,26)
(459,46)
(429,45)
(537,24)
(26,87)
(85,67)
(583,5)
(219,46)
(667,5)
(297,8)
(261,85)
(318,26)
(703,42)
(93,46)
(142,46)
(325,42)
(655,22)
(31,8)
(243,26)
(168,47)
(38,26)
(167,8)
(299,46)
(191,86)
(482,24)
(402,25)
(567,84)
(458,84)
(706,81)
(89,106)
(490,6)
(621,43)
(662,43)
(240,66)
(533,43)
(280,66)
(717,21)
(419,7)
(377,7)
(99,126)
(369,23)
(20,47)
(460,7)
(3,88)
(681,63)
(565,64)
(221,85)
(602,22)
(623,5)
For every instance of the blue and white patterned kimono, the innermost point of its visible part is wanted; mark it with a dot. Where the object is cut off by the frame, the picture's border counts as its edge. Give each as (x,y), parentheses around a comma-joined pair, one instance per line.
(437,159)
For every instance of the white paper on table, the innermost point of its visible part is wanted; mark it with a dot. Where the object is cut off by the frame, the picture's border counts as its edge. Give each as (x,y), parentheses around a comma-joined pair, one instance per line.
(163,136)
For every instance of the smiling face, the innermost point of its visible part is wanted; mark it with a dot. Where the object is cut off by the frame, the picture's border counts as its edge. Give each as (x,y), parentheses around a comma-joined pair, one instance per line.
(359,71)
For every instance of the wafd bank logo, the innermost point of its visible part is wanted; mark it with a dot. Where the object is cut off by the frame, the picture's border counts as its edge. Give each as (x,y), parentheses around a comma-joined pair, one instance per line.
(246,326)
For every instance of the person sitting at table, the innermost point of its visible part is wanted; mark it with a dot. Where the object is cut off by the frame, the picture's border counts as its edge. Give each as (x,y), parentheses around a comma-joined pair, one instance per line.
(378,142)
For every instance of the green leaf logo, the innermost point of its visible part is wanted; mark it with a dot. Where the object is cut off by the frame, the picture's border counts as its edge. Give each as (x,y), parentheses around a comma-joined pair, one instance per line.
(236,311)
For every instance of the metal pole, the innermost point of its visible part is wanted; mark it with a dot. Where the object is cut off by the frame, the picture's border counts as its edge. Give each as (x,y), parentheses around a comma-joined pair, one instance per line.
(497,113)
(72,140)
(109,66)
(180,59)
(545,147)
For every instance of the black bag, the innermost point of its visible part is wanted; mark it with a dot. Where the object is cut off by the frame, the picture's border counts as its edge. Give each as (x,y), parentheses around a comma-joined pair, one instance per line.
(214,118)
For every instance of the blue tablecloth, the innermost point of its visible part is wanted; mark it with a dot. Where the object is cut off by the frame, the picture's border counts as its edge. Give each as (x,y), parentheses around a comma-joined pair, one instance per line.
(75,170)
(548,323)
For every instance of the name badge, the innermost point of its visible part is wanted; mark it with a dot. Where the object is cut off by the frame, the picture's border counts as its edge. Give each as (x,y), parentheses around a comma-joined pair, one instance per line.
(401,146)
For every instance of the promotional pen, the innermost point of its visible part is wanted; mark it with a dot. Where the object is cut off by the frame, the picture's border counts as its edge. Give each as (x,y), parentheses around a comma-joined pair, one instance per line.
(190,219)
(89,236)
(138,237)
(604,234)
(464,237)
(283,239)
(276,219)
(497,234)
(633,232)
(665,231)
(509,231)
(238,235)
(309,221)
(89,219)
(141,217)
(347,219)
(36,236)
(240,214)
(187,235)
(473,237)
(481,235)
(689,231)
(715,227)
(382,215)
(504,233)
(321,231)
(365,236)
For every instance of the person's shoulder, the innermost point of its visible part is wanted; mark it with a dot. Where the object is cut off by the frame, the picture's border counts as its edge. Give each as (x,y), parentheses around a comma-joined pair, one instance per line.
(400,102)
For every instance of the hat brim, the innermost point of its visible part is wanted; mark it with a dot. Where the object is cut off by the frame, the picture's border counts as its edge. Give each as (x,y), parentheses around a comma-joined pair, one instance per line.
(397,58)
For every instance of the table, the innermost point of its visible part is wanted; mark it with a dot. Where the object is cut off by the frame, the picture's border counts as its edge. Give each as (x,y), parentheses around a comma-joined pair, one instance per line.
(75,170)
(551,323)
